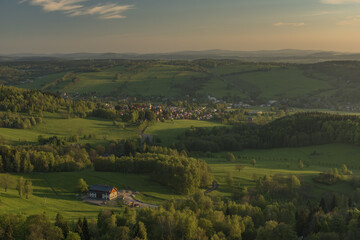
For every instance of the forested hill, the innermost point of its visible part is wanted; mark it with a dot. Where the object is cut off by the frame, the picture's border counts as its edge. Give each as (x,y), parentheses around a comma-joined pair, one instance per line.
(320,85)
(301,129)
(34,101)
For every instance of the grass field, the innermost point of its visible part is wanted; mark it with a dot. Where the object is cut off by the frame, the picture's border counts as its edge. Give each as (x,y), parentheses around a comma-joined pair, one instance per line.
(54,125)
(281,82)
(163,79)
(150,80)
(41,82)
(274,161)
(56,192)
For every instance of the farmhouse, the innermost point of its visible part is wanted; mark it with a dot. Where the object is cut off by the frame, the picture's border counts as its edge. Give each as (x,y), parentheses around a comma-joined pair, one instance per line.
(103,192)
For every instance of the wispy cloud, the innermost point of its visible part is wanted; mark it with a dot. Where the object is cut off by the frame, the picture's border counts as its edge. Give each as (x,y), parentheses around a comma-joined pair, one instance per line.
(77,8)
(349,21)
(105,11)
(339,2)
(289,24)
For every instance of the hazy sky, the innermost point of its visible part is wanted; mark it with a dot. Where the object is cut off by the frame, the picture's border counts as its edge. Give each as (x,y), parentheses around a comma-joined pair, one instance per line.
(62,26)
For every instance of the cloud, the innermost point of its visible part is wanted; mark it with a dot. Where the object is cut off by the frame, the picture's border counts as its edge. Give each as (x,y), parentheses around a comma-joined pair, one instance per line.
(350,21)
(339,2)
(77,8)
(105,11)
(287,24)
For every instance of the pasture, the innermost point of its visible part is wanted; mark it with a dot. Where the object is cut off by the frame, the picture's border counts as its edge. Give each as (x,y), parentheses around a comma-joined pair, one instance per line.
(275,83)
(55,125)
(285,161)
(166,79)
(104,130)
(147,80)
(42,82)
(56,192)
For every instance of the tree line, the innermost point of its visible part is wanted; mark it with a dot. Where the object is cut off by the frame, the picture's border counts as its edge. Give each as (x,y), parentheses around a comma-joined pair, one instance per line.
(183,174)
(301,129)
(14,120)
(43,158)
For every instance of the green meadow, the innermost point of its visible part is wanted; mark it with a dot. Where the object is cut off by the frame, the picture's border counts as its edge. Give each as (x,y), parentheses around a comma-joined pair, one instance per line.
(165,79)
(41,82)
(56,192)
(54,125)
(280,82)
(285,161)
(159,79)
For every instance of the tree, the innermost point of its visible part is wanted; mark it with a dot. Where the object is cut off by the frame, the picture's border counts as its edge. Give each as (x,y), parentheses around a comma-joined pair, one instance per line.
(295,182)
(28,189)
(229,179)
(78,228)
(6,180)
(21,186)
(82,186)
(267,232)
(141,231)
(239,167)
(9,233)
(123,232)
(301,164)
(323,205)
(284,232)
(230,157)
(117,76)
(62,224)
(73,236)
(334,202)
(345,170)
(85,230)
(253,162)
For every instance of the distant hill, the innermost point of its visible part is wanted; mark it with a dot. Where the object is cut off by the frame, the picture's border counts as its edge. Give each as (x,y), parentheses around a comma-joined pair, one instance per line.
(285,55)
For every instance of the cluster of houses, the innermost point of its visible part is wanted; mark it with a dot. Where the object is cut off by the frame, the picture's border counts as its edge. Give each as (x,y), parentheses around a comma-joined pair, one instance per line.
(173,112)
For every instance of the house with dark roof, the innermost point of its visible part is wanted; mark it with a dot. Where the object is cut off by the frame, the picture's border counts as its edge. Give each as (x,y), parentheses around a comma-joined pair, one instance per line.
(102,192)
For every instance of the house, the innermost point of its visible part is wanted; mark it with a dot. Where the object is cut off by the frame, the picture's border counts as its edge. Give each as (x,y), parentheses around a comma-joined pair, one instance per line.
(103,192)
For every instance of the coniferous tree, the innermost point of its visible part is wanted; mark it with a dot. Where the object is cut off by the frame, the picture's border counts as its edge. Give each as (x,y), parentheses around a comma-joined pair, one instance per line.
(63,224)
(78,228)
(85,229)
(9,233)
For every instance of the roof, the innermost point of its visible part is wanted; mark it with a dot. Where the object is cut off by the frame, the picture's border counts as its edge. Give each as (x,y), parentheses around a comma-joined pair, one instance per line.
(101,188)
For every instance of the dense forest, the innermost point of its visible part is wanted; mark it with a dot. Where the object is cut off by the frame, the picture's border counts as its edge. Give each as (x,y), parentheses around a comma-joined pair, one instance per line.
(44,158)
(301,129)
(183,174)
(34,101)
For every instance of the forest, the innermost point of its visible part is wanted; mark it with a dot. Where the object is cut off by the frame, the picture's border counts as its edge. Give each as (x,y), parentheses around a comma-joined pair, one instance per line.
(300,129)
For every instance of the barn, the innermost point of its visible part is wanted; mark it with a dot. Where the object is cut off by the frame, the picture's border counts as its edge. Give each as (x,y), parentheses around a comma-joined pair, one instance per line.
(102,192)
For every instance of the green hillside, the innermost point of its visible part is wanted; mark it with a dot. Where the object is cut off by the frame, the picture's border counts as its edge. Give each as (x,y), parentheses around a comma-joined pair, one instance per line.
(178,79)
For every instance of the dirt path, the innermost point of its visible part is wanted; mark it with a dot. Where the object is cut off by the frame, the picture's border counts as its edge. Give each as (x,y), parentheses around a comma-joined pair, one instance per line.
(215,186)
(128,197)
(47,181)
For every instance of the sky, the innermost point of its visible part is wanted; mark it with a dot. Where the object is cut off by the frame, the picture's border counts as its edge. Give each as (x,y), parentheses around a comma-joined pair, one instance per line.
(151,26)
